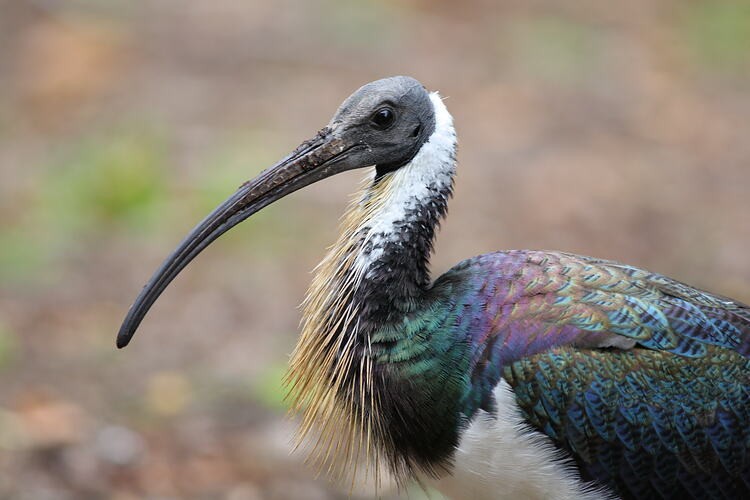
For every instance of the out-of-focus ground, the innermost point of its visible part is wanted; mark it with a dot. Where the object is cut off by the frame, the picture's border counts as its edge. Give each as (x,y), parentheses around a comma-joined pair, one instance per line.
(614,129)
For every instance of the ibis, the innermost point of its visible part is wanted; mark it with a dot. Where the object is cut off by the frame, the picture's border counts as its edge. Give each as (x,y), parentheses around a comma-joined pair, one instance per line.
(517,374)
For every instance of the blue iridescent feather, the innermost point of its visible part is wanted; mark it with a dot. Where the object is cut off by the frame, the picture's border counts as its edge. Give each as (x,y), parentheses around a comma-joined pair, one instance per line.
(645,381)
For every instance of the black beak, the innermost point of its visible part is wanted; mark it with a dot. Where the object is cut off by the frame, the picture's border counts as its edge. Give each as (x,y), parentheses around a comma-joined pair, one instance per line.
(320,157)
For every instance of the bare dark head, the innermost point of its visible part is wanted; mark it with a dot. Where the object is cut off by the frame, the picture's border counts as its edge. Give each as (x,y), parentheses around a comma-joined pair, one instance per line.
(383,124)
(393,116)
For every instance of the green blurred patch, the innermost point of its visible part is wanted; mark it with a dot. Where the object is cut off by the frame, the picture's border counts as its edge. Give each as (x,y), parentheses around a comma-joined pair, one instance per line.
(554,48)
(21,254)
(113,179)
(268,388)
(8,347)
(718,34)
(105,182)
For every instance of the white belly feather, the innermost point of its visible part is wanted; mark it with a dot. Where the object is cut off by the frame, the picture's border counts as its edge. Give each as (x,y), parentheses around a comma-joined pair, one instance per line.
(500,458)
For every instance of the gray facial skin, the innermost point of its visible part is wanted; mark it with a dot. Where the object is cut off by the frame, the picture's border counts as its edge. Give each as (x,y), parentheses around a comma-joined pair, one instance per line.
(414,120)
(384,123)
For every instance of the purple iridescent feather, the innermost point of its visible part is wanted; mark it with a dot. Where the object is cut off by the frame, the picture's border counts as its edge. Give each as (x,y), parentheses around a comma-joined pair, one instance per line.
(644,380)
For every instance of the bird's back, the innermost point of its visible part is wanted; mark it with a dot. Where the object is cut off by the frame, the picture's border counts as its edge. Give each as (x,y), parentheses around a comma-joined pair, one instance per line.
(644,381)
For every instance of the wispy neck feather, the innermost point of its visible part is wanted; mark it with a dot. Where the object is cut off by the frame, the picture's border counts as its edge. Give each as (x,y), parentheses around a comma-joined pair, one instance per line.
(374,274)
(397,233)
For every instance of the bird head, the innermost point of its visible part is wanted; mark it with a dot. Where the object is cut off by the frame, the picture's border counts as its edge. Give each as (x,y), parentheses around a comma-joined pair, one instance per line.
(383,124)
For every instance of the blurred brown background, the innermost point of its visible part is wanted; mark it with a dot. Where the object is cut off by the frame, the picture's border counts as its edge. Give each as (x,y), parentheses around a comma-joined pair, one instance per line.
(614,129)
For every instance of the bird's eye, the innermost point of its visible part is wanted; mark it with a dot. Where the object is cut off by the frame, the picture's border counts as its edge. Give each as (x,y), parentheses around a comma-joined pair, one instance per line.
(383,118)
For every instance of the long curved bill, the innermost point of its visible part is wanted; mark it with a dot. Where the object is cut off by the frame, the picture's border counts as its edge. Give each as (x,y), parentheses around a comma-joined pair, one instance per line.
(316,159)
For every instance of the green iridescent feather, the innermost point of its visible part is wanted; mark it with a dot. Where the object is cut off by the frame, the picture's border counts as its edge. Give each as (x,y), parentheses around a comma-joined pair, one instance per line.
(644,380)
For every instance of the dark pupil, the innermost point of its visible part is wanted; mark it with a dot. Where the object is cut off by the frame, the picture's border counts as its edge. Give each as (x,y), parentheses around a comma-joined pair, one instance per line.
(383,117)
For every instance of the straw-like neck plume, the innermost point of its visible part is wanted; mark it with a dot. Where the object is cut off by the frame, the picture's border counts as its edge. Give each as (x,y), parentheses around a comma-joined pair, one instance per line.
(374,275)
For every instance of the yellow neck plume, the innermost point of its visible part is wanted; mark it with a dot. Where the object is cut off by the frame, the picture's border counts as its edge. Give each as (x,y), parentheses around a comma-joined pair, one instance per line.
(331,376)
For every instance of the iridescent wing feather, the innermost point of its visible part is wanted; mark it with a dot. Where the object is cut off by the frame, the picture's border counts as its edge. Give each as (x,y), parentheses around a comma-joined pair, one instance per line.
(643,379)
